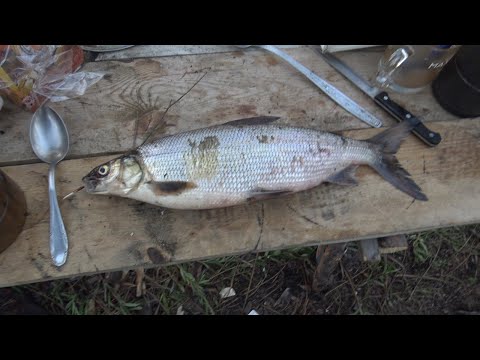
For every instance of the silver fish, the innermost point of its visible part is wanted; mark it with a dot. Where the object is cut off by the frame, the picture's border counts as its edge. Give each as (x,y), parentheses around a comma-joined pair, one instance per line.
(246,160)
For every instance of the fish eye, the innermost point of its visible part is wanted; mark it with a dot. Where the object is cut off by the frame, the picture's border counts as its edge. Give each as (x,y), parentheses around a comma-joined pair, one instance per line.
(103,170)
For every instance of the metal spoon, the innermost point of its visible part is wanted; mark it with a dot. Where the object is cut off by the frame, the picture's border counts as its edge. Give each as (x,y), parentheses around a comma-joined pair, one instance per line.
(49,139)
(335,94)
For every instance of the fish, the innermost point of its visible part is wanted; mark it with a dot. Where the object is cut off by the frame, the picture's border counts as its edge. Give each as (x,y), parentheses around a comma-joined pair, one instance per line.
(247,160)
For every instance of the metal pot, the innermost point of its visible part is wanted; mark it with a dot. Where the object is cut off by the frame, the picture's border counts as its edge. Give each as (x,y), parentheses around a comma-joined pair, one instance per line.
(457,87)
(13,209)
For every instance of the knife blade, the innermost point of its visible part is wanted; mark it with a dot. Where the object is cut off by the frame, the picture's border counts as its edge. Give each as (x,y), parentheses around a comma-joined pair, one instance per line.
(383,100)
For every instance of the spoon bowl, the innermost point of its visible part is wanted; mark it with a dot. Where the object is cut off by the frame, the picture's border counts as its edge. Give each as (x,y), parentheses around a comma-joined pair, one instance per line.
(50,142)
(48,135)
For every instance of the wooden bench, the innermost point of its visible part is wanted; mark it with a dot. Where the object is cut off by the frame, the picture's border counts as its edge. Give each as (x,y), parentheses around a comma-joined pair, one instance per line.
(109,233)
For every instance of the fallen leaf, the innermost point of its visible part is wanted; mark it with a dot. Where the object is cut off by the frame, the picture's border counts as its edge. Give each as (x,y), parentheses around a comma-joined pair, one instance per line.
(227,292)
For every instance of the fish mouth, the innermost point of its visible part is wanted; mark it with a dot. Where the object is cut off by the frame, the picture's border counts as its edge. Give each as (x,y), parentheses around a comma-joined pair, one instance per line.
(90,184)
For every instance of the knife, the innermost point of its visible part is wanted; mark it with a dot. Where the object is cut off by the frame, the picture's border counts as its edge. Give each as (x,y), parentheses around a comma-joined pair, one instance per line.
(383,100)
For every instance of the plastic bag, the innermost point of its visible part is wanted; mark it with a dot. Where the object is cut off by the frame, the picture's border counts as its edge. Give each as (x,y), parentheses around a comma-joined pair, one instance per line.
(30,75)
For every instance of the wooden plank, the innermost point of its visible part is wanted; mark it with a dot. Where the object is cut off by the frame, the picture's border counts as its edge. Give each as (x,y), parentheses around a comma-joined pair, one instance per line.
(369,250)
(109,234)
(327,257)
(393,244)
(148,51)
(237,85)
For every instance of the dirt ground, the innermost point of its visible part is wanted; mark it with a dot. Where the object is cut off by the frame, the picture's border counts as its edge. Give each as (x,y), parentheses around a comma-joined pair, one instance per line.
(438,274)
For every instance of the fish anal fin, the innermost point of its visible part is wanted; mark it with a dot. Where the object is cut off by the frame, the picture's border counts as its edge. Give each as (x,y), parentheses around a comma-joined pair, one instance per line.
(345,177)
(263,194)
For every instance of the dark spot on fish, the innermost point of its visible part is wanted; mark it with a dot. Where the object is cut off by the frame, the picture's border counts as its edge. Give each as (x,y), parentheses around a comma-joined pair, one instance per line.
(328,214)
(296,161)
(155,255)
(192,143)
(209,143)
(262,139)
(165,175)
(323,151)
(272,138)
(171,187)
(344,141)
(2,132)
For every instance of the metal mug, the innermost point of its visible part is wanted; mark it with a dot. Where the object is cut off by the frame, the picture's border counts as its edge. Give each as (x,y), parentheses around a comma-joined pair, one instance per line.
(410,68)
(13,211)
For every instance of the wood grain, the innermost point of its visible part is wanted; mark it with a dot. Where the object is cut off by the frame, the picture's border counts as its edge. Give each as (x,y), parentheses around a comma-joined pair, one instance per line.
(147,51)
(135,93)
(109,234)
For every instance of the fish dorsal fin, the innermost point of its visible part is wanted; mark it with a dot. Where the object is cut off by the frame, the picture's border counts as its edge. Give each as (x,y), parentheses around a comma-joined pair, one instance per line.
(345,177)
(258,120)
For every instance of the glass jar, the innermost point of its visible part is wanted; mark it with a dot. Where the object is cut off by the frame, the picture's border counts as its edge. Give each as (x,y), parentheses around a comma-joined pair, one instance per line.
(410,68)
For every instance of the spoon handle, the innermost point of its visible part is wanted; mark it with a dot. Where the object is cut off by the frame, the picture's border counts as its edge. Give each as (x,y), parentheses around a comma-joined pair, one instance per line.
(58,235)
(335,94)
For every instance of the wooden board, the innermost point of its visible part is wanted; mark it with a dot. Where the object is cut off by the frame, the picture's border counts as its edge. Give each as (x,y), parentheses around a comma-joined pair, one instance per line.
(149,51)
(238,84)
(113,233)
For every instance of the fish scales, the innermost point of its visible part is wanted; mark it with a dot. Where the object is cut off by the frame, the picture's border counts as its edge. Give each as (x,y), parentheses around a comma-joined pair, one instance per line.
(237,161)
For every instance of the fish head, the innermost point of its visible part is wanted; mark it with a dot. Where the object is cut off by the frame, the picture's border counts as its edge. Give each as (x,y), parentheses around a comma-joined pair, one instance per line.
(116,177)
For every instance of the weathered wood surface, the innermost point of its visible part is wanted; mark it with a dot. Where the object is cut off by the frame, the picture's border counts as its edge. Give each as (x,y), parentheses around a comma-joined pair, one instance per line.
(114,233)
(148,51)
(237,84)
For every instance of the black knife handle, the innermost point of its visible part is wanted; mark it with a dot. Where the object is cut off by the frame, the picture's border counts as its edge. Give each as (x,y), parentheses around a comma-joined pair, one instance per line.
(400,114)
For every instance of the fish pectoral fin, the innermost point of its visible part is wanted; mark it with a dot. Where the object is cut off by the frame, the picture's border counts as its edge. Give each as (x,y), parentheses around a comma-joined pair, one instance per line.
(258,120)
(263,194)
(345,177)
(170,187)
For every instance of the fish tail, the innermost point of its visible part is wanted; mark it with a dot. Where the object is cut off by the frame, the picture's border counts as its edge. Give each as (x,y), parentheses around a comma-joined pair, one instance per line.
(388,166)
